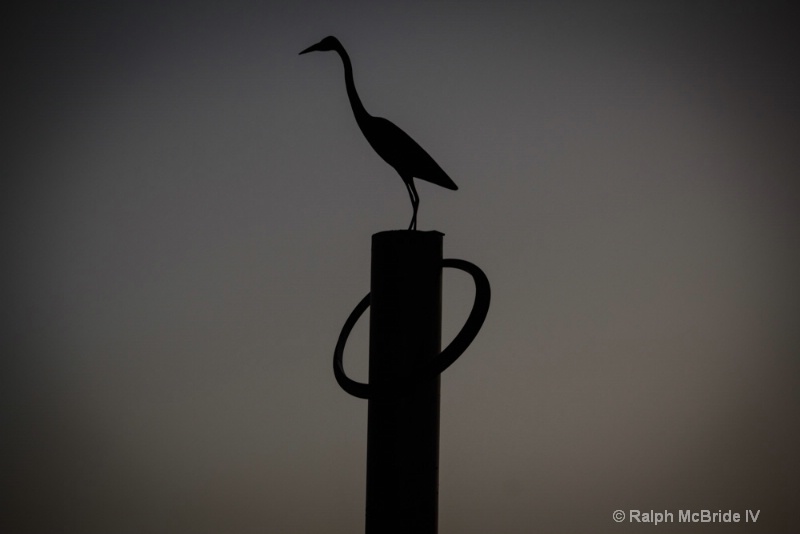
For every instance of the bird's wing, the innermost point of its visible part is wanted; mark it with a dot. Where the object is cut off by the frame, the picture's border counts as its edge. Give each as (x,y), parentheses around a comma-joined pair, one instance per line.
(400,151)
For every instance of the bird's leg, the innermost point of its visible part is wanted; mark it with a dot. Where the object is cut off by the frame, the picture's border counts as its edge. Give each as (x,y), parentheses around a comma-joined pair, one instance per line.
(416,204)
(412,191)
(410,194)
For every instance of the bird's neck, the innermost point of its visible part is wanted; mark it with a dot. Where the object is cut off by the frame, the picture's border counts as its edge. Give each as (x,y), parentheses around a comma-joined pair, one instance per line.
(355,102)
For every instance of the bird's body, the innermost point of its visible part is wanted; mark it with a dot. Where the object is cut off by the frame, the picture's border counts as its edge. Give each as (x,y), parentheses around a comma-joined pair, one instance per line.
(395,146)
(391,143)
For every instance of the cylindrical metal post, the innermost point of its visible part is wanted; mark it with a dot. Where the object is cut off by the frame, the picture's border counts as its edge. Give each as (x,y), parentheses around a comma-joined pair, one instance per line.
(403,429)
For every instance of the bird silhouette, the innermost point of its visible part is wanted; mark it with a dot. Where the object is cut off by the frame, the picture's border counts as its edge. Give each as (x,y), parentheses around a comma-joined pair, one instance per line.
(390,142)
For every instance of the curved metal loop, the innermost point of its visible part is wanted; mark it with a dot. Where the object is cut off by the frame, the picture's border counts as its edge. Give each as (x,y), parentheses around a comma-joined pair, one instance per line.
(450,354)
(356,389)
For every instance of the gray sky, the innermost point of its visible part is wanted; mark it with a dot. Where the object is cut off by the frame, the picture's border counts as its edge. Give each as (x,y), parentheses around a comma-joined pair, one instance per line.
(188,205)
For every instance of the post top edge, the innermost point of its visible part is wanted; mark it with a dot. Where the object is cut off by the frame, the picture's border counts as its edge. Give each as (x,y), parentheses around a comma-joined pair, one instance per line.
(408,233)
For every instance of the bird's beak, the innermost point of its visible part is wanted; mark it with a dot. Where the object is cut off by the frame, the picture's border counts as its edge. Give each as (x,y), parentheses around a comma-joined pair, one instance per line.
(309,49)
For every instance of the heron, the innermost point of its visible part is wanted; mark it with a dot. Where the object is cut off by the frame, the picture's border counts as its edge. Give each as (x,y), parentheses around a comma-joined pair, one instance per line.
(391,143)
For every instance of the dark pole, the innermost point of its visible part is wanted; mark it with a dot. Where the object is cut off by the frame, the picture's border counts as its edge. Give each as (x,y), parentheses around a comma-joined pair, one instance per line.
(403,428)
(405,363)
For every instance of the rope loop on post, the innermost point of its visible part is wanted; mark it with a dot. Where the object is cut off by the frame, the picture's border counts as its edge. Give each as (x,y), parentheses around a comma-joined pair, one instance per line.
(445,358)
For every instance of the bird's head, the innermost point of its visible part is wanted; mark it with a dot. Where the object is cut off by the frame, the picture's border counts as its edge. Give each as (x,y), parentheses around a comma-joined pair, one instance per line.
(329,43)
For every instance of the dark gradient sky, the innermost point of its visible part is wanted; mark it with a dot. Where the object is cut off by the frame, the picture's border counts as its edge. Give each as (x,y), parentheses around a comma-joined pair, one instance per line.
(187,207)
